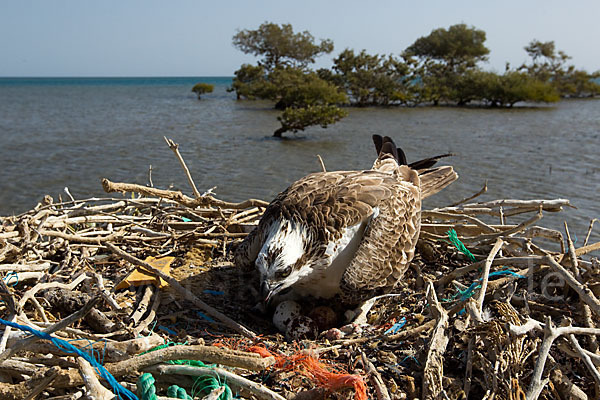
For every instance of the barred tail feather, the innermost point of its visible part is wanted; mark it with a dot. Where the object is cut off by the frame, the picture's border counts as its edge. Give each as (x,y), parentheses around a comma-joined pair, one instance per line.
(434,180)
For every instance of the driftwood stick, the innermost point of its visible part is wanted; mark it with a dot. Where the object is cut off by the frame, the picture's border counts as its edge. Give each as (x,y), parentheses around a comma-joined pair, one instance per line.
(526,261)
(512,231)
(409,332)
(105,293)
(28,276)
(589,323)
(39,309)
(175,147)
(472,308)
(9,235)
(77,238)
(469,368)
(547,205)
(151,315)
(572,256)
(24,267)
(42,384)
(364,308)
(565,348)
(451,216)
(143,304)
(375,377)
(586,358)
(518,207)
(585,294)
(425,326)
(433,372)
(63,323)
(551,234)
(9,300)
(94,388)
(42,286)
(589,232)
(321,163)
(580,251)
(215,393)
(530,325)
(586,311)
(187,294)
(15,367)
(6,333)
(486,273)
(551,333)
(112,351)
(243,386)
(537,383)
(209,354)
(482,191)
(178,197)
(565,387)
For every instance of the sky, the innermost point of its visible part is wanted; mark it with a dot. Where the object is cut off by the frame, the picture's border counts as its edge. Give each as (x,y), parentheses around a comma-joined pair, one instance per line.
(193,37)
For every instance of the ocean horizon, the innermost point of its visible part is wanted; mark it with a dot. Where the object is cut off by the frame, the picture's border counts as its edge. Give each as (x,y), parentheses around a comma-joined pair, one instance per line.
(19,80)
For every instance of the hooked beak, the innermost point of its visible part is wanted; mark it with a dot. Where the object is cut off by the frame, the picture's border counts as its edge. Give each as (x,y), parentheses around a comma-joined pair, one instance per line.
(268,291)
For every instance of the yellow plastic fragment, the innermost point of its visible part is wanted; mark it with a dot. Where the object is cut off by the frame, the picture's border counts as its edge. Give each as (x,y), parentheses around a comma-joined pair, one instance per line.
(138,278)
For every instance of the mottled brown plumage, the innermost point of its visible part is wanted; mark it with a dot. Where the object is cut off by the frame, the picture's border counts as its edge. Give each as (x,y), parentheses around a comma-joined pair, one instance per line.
(351,233)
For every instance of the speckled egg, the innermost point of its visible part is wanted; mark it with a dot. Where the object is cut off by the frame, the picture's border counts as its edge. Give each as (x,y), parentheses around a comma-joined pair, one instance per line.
(284,313)
(300,328)
(324,317)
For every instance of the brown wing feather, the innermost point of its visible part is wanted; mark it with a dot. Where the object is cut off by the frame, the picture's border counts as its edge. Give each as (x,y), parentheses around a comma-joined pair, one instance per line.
(387,246)
(246,253)
(327,202)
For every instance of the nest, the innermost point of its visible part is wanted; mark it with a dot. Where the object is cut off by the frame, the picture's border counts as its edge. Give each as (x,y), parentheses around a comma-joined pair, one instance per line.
(504,310)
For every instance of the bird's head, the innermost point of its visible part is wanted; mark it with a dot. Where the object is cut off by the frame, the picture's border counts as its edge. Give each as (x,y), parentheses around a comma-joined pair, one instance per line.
(281,262)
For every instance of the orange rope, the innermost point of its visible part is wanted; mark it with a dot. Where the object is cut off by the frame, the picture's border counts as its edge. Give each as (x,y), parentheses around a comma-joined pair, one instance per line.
(319,372)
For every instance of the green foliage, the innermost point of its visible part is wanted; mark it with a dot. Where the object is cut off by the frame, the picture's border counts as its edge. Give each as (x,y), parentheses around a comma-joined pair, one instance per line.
(578,83)
(295,119)
(202,88)
(513,87)
(440,68)
(279,46)
(293,87)
(546,62)
(443,60)
(550,66)
(282,77)
(247,80)
(370,79)
(304,97)
(459,45)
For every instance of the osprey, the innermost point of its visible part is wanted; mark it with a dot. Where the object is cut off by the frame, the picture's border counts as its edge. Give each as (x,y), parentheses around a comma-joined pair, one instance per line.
(347,233)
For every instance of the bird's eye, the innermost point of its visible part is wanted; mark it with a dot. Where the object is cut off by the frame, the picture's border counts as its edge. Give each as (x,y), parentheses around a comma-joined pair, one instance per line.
(285,273)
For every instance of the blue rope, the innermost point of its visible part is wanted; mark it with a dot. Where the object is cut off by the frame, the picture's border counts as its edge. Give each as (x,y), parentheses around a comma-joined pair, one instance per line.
(69,348)
(396,327)
(166,329)
(93,352)
(203,316)
(9,276)
(214,292)
(465,294)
